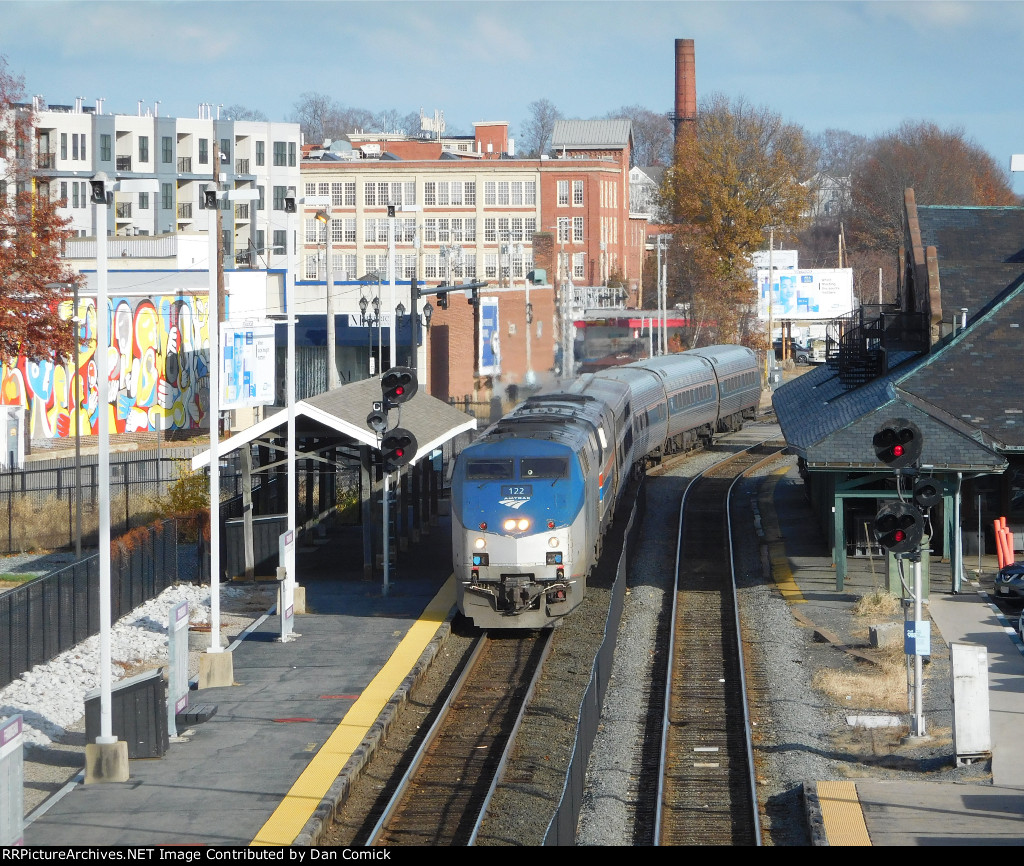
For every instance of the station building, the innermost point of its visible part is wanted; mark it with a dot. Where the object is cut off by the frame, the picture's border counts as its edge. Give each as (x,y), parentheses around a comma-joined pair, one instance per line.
(945,357)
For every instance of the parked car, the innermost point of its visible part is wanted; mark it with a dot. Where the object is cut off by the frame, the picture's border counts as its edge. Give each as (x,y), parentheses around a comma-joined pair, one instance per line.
(1010,582)
(797,351)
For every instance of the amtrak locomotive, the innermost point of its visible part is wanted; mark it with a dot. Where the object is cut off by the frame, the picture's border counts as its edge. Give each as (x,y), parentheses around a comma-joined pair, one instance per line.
(533,497)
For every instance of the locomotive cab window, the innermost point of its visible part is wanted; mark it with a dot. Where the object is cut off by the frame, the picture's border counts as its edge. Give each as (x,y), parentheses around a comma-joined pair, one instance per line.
(489,470)
(544,467)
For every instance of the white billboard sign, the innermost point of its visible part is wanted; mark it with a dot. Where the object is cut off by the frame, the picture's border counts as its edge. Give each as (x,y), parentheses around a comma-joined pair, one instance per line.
(822,293)
(247,364)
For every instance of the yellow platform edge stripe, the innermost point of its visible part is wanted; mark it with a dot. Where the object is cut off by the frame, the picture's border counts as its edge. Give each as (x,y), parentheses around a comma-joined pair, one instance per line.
(782,574)
(842,814)
(312,785)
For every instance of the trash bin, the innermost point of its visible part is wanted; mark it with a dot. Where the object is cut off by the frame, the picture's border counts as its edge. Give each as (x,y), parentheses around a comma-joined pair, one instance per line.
(138,709)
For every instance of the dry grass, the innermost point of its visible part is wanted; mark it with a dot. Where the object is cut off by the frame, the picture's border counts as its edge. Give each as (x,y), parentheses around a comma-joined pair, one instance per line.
(877,603)
(881,687)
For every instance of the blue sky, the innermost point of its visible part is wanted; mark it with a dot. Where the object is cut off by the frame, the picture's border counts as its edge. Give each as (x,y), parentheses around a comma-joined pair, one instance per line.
(862,67)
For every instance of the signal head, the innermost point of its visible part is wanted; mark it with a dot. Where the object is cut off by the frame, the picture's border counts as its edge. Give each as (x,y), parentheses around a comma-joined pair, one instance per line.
(899,527)
(398,447)
(927,492)
(398,385)
(897,443)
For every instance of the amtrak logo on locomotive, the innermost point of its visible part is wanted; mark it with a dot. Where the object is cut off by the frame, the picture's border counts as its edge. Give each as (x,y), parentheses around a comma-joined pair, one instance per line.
(515,496)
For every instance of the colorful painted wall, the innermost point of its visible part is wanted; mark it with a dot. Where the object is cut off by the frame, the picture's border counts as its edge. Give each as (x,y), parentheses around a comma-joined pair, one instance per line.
(158,360)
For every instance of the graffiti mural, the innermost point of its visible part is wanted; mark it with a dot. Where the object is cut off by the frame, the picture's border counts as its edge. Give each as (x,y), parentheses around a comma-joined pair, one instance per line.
(158,371)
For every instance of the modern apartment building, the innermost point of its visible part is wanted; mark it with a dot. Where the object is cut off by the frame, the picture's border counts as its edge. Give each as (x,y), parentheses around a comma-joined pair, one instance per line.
(181,156)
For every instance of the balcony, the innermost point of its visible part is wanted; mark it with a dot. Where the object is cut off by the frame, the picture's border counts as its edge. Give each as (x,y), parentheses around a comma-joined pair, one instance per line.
(124,163)
(241,166)
(858,345)
(241,211)
(185,210)
(46,160)
(123,210)
(184,165)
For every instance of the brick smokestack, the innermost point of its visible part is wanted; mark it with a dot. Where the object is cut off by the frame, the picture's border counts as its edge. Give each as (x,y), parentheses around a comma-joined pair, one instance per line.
(686,88)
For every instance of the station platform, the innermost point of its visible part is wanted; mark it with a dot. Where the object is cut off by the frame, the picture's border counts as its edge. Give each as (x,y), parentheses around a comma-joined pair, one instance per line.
(301,717)
(882,812)
(303,714)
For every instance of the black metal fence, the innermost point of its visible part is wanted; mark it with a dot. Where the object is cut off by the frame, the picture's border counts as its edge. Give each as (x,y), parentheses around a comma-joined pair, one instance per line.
(39,505)
(48,615)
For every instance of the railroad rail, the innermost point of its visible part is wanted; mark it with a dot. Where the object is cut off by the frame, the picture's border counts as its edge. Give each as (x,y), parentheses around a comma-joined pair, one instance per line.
(706,789)
(444,795)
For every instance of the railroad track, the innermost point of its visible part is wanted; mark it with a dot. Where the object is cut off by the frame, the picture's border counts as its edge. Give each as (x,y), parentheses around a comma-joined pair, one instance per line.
(706,793)
(444,795)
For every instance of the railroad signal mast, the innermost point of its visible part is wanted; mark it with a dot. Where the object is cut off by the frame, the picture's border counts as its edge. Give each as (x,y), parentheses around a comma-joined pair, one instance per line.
(398,446)
(899,527)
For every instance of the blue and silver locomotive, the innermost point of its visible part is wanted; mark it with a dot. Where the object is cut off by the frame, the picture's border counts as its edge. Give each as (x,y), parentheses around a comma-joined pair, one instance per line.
(533,497)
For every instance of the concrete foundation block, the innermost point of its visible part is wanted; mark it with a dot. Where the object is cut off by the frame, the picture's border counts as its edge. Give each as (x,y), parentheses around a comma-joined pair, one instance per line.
(886,634)
(106,762)
(216,670)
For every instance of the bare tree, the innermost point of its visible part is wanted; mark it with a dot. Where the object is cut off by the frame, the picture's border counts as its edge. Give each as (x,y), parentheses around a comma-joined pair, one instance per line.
(391,120)
(240,112)
(652,134)
(319,117)
(355,120)
(538,127)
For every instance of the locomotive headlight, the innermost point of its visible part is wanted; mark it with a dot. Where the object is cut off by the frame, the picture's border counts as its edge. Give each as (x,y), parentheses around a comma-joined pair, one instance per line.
(509,524)
(522,524)
(480,543)
(553,541)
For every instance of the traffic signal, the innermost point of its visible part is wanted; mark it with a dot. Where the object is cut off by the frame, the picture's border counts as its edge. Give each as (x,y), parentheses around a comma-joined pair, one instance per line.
(290,200)
(398,385)
(898,443)
(927,492)
(397,448)
(899,526)
(442,300)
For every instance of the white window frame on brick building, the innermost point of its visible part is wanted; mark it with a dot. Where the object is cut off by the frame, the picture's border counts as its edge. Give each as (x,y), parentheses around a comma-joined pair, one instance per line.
(564,229)
(563,193)
(577,193)
(577,230)
(579,265)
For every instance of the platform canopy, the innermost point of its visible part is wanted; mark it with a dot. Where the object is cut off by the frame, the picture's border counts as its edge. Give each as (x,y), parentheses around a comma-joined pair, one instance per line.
(342,412)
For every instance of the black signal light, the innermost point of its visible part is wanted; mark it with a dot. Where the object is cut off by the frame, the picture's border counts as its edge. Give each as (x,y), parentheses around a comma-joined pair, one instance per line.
(398,447)
(899,527)
(897,443)
(398,385)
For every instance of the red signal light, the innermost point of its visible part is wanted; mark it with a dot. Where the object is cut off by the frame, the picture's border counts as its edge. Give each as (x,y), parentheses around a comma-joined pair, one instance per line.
(897,450)
(899,535)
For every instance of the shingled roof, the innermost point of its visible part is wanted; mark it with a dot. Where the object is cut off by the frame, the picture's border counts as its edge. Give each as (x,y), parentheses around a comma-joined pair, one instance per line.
(967,391)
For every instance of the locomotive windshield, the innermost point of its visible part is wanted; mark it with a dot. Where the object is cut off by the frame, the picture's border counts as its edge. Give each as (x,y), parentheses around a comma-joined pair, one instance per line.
(489,470)
(543,467)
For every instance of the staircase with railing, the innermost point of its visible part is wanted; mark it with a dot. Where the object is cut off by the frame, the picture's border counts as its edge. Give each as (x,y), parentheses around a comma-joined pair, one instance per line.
(858,345)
